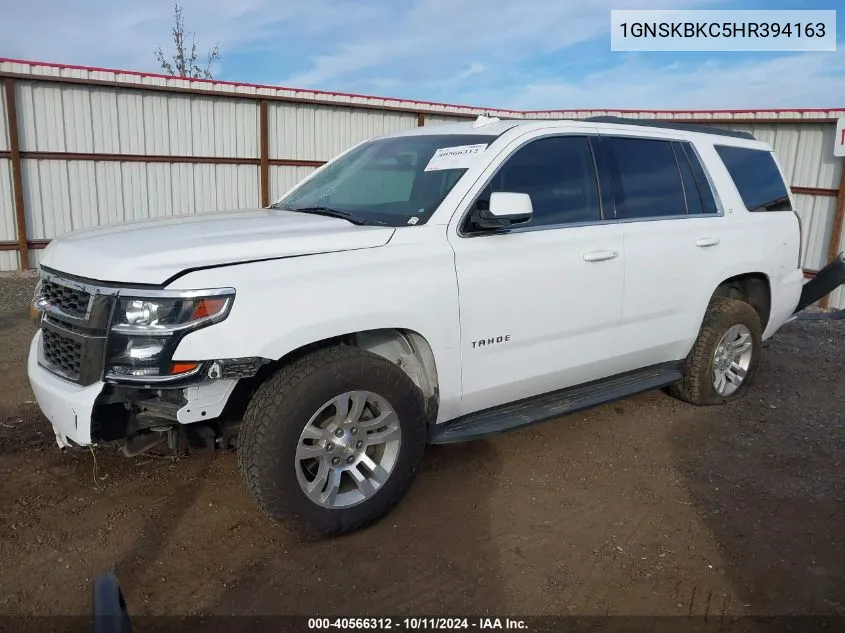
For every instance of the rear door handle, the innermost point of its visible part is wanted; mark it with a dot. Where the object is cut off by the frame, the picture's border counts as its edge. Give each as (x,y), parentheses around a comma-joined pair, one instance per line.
(704,242)
(600,256)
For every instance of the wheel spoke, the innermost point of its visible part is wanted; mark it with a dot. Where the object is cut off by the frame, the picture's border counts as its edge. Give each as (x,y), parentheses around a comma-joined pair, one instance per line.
(736,374)
(385,418)
(349,406)
(741,344)
(363,482)
(309,451)
(721,382)
(315,488)
(332,489)
(389,434)
(741,348)
(311,432)
(378,474)
(341,405)
(359,401)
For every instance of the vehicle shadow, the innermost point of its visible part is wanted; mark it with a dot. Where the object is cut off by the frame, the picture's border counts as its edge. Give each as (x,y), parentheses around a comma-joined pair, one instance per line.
(432,554)
(159,530)
(765,476)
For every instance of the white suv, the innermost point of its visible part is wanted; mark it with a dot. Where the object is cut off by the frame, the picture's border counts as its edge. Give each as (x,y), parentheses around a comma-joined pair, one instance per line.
(436,285)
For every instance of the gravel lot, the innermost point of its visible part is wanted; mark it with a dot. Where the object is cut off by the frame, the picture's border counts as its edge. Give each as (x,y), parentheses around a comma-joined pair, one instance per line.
(646,506)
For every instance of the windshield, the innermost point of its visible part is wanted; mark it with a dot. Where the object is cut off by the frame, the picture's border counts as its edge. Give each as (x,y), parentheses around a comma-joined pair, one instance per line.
(388,181)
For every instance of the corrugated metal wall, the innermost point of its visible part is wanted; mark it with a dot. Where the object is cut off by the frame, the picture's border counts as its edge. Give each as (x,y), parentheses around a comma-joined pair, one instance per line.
(8,231)
(64,195)
(195,151)
(69,118)
(310,132)
(318,133)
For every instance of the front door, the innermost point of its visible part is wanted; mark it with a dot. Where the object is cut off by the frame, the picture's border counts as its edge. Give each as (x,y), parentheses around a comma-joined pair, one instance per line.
(540,303)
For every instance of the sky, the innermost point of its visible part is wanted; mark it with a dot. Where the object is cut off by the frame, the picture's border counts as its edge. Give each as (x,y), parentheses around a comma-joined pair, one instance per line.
(520,54)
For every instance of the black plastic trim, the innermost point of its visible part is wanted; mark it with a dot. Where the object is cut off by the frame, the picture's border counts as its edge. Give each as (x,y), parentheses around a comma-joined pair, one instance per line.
(701,128)
(825,281)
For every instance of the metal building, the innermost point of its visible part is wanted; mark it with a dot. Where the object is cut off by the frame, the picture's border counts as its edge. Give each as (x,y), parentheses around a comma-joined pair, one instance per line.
(82,147)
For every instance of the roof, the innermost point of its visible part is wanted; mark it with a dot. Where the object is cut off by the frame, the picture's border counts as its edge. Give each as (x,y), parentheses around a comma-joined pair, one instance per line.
(496,127)
(53,71)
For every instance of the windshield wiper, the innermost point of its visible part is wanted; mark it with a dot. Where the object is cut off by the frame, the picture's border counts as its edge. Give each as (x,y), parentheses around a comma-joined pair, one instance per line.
(329,212)
(774,205)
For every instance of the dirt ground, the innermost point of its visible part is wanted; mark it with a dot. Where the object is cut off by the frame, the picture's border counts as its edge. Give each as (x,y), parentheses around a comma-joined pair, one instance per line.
(646,506)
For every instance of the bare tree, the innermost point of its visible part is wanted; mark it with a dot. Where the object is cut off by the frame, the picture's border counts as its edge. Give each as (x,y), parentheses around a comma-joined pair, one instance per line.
(185,60)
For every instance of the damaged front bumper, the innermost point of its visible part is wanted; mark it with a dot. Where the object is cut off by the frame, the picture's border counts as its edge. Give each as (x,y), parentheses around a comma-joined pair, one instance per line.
(67,405)
(85,415)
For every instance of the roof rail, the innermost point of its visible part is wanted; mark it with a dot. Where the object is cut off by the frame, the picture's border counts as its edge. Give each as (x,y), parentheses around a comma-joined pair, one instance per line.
(687,127)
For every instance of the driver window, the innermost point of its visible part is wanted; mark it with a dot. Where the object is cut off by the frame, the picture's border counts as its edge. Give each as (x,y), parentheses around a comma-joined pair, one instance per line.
(559,175)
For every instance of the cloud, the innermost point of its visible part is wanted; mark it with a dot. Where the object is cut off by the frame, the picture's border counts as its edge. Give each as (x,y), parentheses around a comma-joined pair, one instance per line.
(124,34)
(532,54)
(791,80)
(429,37)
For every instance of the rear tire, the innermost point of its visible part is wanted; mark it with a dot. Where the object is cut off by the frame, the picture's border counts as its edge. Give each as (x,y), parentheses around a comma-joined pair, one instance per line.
(333,441)
(724,359)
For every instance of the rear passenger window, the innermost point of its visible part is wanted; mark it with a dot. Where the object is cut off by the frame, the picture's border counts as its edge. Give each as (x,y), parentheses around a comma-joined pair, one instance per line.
(559,175)
(756,177)
(647,181)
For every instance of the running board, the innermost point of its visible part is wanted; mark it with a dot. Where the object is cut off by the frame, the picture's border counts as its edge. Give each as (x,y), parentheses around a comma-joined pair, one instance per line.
(552,405)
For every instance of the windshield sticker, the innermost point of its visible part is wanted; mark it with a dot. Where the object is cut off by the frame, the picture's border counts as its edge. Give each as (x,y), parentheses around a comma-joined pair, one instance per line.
(460,157)
(413,220)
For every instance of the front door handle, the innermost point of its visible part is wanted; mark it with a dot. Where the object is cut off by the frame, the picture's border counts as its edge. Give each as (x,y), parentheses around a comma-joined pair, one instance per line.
(704,242)
(600,256)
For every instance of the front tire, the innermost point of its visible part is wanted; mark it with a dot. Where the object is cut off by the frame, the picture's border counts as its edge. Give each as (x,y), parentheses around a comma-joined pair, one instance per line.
(725,356)
(332,442)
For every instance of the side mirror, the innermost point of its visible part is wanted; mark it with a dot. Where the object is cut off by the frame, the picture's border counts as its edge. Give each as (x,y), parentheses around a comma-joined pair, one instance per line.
(506,208)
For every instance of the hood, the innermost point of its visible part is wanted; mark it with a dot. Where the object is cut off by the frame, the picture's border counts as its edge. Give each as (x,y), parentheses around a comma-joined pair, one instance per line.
(152,251)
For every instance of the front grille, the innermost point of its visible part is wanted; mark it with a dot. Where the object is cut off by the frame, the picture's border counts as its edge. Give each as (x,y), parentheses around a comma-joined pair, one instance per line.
(62,352)
(74,302)
(74,326)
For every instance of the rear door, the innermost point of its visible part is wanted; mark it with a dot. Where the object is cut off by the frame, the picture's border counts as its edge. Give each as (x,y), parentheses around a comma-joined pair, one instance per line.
(673,237)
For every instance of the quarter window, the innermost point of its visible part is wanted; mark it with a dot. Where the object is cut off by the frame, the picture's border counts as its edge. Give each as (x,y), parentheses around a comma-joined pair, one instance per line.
(756,177)
(647,181)
(559,175)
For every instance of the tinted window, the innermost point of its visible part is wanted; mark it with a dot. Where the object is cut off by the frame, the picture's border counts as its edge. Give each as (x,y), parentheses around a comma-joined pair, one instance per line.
(647,180)
(756,177)
(694,204)
(708,201)
(559,175)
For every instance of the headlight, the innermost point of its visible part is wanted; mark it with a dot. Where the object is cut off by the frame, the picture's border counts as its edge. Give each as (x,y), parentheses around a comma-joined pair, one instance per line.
(149,315)
(145,331)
